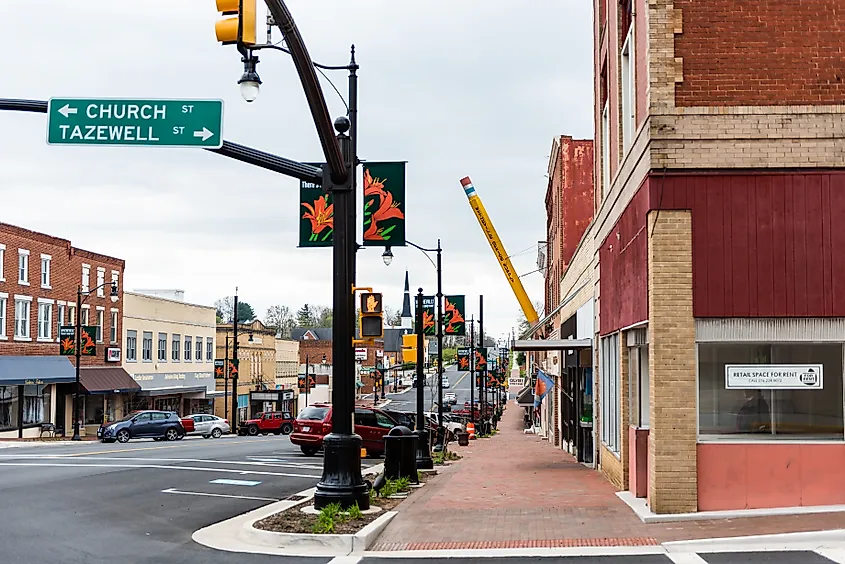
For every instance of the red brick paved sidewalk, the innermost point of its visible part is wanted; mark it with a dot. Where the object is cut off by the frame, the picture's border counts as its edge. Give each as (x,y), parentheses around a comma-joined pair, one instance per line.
(518,491)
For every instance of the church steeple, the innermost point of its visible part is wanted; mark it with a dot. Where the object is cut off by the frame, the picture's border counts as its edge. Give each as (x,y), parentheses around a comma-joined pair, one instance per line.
(407,317)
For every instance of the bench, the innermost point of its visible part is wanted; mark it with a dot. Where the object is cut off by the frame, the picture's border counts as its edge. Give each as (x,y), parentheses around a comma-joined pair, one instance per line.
(48,428)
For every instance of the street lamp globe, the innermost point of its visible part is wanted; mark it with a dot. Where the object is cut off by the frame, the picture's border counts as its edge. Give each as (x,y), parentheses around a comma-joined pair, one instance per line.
(250,82)
(387,256)
(113,294)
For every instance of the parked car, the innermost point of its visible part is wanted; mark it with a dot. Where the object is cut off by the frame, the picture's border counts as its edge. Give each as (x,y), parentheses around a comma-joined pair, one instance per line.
(445,383)
(206,425)
(401,418)
(315,422)
(150,424)
(275,422)
(451,398)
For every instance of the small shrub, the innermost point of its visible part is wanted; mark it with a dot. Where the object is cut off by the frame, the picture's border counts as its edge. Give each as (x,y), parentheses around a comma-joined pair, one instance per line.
(354,512)
(403,484)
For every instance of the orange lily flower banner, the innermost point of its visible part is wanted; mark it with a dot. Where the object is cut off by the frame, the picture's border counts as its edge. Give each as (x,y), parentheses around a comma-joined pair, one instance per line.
(454,310)
(429,325)
(67,340)
(384,204)
(316,215)
(463,359)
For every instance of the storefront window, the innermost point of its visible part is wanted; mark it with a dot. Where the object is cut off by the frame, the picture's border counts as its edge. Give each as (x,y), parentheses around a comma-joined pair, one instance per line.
(134,403)
(167,404)
(769,412)
(8,407)
(638,387)
(94,409)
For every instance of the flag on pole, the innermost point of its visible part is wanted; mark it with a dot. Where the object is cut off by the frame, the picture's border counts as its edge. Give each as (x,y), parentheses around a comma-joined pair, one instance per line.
(542,387)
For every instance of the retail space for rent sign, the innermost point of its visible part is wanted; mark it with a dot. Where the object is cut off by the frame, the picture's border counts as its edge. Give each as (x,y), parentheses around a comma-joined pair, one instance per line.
(774,376)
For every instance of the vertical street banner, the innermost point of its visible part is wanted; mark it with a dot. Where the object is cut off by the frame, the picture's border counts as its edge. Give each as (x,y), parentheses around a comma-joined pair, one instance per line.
(67,340)
(481,359)
(463,359)
(384,204)
(316,215)
(429,326)
(219,368)
(454,309)
(300,382)
(233,367)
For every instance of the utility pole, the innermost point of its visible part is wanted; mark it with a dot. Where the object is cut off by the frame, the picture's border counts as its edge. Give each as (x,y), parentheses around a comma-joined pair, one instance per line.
(440,431)
(226,378)
(482,389)
(234,425)
(472,369)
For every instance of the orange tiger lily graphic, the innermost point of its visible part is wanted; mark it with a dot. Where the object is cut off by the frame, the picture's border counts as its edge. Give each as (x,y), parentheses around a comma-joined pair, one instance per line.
(67,345)
(387,209)
(321,215)
(454,317)
(428,321)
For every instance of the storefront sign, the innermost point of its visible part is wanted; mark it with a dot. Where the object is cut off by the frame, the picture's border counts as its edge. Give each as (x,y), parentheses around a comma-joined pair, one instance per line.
(360,354)
(67,340)
(112,354)
(176,379)
(264,396)
(774,376)
(516,382)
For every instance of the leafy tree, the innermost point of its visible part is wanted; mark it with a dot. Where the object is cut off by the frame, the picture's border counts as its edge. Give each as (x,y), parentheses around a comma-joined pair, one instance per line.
(245,313)
(279,317)
(520,358)
(323,316)
(225,307)
(305,317)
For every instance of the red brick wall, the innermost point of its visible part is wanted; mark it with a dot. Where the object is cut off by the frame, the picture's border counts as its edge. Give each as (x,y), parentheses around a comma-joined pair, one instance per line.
(761,52)
(65,276)
(576,200)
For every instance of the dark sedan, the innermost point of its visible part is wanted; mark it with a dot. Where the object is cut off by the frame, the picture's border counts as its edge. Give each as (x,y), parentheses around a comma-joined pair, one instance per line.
(157,425)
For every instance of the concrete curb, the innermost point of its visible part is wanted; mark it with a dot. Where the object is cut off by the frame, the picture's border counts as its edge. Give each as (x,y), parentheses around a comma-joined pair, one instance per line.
(813,540)
(239,535)
(639,507)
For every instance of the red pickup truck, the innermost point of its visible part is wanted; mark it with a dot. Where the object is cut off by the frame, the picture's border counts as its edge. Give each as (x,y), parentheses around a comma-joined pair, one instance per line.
(276,422)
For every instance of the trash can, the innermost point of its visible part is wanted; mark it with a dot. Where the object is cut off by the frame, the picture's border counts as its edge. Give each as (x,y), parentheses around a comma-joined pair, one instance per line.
(463,439)
(400,454)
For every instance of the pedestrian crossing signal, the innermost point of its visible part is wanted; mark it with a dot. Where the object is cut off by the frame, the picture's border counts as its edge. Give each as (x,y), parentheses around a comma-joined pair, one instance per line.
(371,319)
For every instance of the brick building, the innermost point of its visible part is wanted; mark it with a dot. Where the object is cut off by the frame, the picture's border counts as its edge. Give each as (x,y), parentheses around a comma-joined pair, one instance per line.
(712,258)
(39,277)
(256,368)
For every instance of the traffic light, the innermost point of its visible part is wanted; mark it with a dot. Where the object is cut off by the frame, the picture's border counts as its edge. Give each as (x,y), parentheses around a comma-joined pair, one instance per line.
(409,348)
(241,24)
(372,321)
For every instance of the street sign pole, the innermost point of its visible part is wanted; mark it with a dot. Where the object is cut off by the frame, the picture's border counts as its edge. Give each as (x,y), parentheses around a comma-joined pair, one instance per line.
(135,122)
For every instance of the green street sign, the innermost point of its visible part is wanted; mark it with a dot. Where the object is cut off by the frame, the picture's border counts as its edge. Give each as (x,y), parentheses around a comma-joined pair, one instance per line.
(146,123)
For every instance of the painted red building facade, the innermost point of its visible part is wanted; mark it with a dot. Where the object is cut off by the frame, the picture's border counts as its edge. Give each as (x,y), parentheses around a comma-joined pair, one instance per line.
(718,302)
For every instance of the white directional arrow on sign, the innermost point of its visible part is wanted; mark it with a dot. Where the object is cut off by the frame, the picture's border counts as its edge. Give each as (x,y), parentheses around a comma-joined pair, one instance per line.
(204,134)
(67,110)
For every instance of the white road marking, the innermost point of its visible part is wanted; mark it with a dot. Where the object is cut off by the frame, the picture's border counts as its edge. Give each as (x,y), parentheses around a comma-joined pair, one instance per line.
(234,482)
(299,465)
(175,491)
(685,558)
(345,560)
(161,467)
(835,554)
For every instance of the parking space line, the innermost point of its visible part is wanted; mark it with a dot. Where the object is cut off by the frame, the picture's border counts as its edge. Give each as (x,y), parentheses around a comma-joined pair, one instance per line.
(234,482)
(175,491)
(297,466)
(95,453)
(161,467)
(685,558)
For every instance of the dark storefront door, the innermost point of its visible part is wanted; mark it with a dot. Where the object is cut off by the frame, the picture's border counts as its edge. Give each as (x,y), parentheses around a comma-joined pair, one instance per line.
(62,391)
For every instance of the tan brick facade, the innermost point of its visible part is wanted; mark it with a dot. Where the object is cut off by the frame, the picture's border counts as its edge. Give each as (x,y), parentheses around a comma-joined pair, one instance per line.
(672,436)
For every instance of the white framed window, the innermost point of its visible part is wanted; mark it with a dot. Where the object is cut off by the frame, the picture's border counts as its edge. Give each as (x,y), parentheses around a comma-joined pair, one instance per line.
(101,279)
(85,315)
(2,261)
(174,347)
(198,349)
(189,349)
(113,327)
(209,349)
(101,314)
(609,392)
(45,319)
(131,346)
(628,90)
(23,306)
(61,313)
(4,303)
(46,261)
(162,347)
(605,149)
(71,314)
(86,277)
(23,267)
(147,350)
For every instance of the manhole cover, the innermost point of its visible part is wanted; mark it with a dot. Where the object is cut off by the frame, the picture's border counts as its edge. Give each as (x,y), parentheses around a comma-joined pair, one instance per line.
(295,497)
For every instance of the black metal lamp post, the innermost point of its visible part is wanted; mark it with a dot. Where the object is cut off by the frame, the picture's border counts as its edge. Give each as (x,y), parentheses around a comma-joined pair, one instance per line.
(115,296)
(424,460)
(387,257)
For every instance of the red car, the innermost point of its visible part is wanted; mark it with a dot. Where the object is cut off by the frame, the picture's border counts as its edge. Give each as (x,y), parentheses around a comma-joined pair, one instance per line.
(315,422)
(275,422)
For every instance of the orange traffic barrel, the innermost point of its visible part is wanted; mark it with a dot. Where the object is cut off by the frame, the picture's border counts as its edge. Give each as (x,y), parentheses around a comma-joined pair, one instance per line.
(471,429)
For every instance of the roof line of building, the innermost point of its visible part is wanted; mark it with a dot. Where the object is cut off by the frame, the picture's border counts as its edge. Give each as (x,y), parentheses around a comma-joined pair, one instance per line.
(51,239)
(151,297)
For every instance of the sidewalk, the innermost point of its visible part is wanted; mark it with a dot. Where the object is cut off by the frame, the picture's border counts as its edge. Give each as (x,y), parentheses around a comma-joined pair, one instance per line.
(518,491)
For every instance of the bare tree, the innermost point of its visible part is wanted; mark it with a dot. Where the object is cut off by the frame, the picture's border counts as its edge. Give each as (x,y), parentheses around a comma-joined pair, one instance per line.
(281,319)
(392,317)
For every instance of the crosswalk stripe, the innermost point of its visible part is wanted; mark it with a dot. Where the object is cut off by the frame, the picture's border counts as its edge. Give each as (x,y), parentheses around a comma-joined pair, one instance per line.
(834,554)
(685,558)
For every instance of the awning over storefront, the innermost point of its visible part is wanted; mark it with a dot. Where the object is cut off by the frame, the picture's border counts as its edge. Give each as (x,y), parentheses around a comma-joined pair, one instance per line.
(525,397)
(552,345)
(174,390)
(107,380)
(33,370)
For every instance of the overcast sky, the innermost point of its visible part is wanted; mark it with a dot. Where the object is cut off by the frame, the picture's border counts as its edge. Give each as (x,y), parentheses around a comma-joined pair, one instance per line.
(455,87)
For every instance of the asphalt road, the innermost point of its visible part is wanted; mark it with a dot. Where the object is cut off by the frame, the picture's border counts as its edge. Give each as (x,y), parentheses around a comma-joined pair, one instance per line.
(459,384)
(140,502)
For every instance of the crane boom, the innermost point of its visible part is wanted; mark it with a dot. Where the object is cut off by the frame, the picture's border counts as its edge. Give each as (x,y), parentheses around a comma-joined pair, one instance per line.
(499,251)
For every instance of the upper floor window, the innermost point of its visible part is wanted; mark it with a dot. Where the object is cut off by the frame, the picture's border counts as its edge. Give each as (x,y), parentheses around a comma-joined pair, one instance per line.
(198,349)
(132,346)
(189,350)
(628,91)
(147,347)
(3,304)
(46,261)
(605,149)
(209,349)
(2,260)
(174,347)
(22,311)
(100,320)
(23,267)
(162,347)
(101,279)
(45,320)
(113,328)
(86,277)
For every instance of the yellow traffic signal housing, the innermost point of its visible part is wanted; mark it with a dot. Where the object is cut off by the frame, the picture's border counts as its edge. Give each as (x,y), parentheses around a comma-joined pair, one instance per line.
(241,24)
(409,348)
(371,321)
